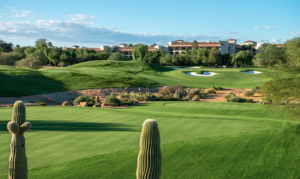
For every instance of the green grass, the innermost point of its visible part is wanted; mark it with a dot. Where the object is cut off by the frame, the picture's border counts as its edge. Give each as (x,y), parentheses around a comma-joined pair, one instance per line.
(199,140)
(106,74)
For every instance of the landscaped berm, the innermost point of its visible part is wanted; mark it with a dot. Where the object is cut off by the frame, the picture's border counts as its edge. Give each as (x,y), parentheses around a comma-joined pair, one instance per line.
(179,131)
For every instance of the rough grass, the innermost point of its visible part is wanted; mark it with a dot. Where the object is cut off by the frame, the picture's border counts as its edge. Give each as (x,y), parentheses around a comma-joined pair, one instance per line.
(106,74)
(199,140)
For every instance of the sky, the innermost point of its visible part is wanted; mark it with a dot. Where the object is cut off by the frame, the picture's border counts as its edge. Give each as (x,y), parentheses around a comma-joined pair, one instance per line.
(96,22)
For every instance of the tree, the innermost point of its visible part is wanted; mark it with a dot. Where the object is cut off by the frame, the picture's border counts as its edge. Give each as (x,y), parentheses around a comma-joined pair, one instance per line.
(50,44)
(139,52)
(214,57)
(153,45)
(194,47)
(284,88)
(117,57)
(246,47)
(107,50)
(270,55)
(242,58)
(64,57)
(202,56)
(166,59)
(130,45)
(5,47)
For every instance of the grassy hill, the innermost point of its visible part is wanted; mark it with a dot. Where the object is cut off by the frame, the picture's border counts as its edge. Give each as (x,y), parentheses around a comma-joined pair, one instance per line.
(199,140)
(106,74)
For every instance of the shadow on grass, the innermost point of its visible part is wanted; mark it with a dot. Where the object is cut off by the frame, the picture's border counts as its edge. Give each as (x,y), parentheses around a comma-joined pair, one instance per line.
(75,126)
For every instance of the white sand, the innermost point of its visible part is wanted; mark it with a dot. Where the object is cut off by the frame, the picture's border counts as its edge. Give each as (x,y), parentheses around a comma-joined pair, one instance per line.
(252,72)
(185,68)
(204,74)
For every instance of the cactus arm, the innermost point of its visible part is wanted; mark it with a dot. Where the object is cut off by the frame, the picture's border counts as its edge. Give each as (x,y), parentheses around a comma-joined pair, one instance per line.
(13,128)
(25,127)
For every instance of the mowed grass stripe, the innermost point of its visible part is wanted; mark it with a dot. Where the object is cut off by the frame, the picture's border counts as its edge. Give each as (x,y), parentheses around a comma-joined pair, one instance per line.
(77,132)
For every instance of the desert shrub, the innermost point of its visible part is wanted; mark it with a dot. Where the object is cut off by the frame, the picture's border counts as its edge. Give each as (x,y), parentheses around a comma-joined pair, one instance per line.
(236,99)
(250,100)
(41,103)
(117,57)
(248,93)
(194,91)
(265,101)
(211,91)
(257,88)
(140,96)
(111,100)
(218,88)
(126,101)
(180,93)
(185,99)
(202,95)
(93,98)
(230,95)
(30,62)
(196,98)
(10,58)
(124,95)
(79,99)
(170,90)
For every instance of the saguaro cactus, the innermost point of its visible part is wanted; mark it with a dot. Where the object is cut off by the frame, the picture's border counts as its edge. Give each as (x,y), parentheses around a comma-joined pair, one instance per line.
(17,126)
(150,158)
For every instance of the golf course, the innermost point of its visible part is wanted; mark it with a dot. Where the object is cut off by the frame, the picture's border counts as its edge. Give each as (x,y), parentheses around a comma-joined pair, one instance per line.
(198,139)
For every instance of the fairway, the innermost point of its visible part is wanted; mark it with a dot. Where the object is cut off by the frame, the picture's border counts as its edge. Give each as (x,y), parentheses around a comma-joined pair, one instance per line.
(108,74)
(199,140)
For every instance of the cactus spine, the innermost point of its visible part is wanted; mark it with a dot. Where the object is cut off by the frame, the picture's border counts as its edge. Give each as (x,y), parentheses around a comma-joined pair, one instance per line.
(17,126)
(150,158)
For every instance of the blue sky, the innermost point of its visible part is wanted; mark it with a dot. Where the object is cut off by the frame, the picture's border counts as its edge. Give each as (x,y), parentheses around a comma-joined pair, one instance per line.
(95,23)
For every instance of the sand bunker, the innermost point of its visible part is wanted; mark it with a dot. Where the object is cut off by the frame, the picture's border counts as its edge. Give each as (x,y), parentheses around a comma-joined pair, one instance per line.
(252,72)
(204,74)
(184,68)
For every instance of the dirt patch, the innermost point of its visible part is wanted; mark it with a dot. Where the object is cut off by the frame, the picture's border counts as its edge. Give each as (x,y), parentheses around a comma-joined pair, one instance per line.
(60,97)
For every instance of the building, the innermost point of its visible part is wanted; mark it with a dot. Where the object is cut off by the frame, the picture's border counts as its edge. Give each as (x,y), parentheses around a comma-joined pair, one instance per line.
(225,47)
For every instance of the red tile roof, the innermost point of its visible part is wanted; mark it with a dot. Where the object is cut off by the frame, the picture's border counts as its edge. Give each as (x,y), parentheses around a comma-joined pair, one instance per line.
(129,49)
(231,39)
(200,44)
(249,41)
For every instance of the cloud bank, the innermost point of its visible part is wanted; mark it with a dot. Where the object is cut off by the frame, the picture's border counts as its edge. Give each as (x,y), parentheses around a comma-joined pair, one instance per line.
(76,31)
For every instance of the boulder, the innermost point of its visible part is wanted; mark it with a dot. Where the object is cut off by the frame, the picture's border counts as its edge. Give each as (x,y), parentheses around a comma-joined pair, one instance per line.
(83,104)
(66,103)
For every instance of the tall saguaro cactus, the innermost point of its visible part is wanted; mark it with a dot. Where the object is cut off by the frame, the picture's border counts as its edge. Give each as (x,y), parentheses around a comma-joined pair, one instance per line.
(150,158)
(17,126)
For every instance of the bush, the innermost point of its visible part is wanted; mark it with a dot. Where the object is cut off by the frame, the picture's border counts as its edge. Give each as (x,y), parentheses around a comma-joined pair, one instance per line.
(61,64)
(236,99)
(93,98)
(194,91)
(250,100)
(79,99)
(217,88)
(30,62)
(180,94)
(202,95)
(170,90)
(41,103)
(265,101)
(10,58)
(211,91)
(117,57)
(111,100)
(230,95)
(139,96)
(124,95)
(196,98)
(248,93)
(126,101)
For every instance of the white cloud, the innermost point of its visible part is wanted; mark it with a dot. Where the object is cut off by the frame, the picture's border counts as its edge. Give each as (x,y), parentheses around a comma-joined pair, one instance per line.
(19,14)
(295,33)
(81,17)
(80,32)
(114,28)
(271,27)
(255,27)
